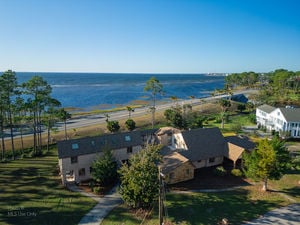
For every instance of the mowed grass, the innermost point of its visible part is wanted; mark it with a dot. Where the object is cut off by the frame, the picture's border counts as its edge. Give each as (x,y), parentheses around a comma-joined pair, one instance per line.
(237,206)
(31,193)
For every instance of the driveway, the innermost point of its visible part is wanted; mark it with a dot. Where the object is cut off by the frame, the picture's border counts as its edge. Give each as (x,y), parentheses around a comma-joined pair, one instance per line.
(289,215)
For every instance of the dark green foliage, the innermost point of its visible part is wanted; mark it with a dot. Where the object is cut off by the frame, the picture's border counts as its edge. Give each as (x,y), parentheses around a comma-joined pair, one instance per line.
(220,171)
(104,168)
(113,126)
(130,124)
(175,118)
(269,161)
(241,107)
(139,179)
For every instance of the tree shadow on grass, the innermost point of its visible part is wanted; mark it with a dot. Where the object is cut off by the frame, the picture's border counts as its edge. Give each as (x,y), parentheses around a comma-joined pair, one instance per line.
(211,208)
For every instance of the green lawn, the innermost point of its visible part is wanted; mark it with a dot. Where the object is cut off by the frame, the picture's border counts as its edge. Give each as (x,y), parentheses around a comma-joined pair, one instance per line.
(31,193)
(237,206)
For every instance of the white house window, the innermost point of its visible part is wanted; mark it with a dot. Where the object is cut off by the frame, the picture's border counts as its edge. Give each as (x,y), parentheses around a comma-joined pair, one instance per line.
(75,146)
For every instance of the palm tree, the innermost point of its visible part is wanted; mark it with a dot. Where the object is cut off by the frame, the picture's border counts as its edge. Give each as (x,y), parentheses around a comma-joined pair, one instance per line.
(130,110)
(225,104)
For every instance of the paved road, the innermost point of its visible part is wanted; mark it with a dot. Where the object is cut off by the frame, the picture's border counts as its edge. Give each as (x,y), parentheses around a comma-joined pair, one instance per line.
(98,119)
(85,121)
(289,215)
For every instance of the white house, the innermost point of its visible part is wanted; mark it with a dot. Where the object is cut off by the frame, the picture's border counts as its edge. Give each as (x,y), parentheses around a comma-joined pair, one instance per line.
(284,120)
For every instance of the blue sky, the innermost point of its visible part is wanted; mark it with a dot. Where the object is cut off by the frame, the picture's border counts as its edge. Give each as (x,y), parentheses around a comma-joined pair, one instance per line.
(163,36)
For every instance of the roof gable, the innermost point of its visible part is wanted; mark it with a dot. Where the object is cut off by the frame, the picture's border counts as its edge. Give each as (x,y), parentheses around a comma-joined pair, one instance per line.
(291,114)
(203,143)
(242,142)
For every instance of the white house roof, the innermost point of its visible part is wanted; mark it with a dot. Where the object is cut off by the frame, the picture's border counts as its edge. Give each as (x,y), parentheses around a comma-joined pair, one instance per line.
(266,108)
(291,114)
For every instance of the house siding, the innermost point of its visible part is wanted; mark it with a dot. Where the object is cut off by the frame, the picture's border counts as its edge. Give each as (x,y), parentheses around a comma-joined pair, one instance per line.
(180,174)
(86,161)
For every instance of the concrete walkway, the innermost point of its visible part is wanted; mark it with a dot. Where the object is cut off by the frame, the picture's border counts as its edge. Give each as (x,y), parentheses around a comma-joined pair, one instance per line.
(289,215)
(104,206)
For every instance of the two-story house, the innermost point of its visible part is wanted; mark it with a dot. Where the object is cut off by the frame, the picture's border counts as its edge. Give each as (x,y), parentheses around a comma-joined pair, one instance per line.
(284,120)
(77,156)
(186,151)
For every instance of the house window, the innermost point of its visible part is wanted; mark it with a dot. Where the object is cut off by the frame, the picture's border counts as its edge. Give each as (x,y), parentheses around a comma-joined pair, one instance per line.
(187,171)
(127,138)
(75,146)
(93,143)
(81,172)
(129,149)
(91,170)
(199,161)
(74,159)
(211,160)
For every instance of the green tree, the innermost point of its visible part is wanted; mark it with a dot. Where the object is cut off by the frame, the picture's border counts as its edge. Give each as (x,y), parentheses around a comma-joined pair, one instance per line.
(104,168)
(63,115)
(139,179)
(269,161)
(8,81)
(241,107)
(38,93)
(175,118)
(130,124)
(225,104)
(130,110)
(113,126)
(154,87)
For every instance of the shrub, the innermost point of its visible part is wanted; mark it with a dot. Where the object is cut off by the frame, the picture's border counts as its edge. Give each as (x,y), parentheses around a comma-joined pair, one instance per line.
(220,171)
(236,172)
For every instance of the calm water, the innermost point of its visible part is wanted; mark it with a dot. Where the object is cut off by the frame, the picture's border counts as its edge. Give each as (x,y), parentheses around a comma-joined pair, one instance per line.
(102,90)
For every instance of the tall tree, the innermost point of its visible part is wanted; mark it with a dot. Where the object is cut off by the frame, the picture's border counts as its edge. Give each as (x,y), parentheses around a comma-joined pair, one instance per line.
(38,91)
(50,116)
(64,116)
(225,104)
(9,90)
(139,179)
(130,110)
(269,161)
(154,87)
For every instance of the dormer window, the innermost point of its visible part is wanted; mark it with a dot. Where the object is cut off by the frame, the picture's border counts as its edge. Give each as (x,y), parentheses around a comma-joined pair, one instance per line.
(127,138)
(75,146)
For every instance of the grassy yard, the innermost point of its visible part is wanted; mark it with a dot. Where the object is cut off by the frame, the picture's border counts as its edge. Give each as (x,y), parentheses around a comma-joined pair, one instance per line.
(237,206)
(30,193)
